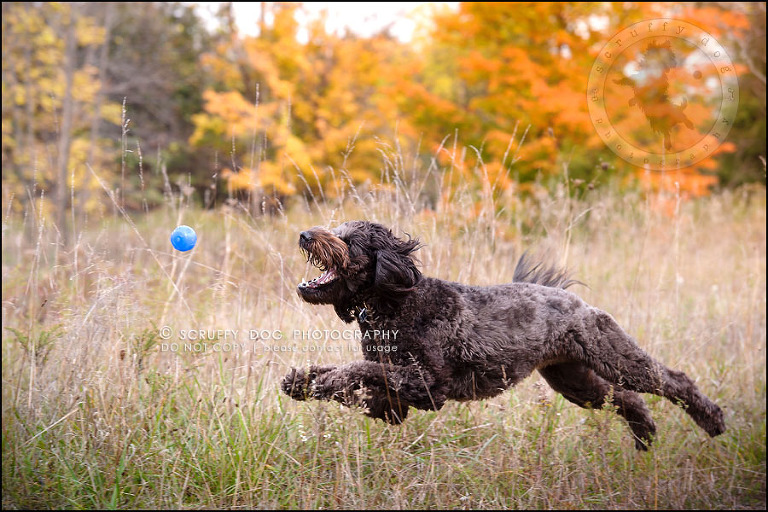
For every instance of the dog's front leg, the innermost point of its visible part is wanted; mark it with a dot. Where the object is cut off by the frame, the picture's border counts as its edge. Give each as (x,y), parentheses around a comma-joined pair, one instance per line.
(384,391)
(299,381)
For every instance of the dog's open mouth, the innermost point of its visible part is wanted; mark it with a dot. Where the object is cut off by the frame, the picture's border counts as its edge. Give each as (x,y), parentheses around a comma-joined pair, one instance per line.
(328,253)
(327,277)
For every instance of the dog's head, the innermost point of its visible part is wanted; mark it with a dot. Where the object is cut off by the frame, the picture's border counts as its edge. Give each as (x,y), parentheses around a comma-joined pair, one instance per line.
(361,262)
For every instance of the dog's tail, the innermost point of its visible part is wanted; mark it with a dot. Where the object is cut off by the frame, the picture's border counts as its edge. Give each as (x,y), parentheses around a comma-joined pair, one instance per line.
(528,271)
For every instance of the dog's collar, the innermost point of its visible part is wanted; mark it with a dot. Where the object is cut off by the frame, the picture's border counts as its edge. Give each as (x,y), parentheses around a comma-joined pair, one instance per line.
(363,313)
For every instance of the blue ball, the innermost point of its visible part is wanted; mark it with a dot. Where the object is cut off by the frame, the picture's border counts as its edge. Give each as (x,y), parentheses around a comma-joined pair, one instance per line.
(183,238)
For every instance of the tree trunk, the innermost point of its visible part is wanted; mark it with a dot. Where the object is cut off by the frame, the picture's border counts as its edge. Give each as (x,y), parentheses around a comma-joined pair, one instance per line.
(102,65)
(65,134)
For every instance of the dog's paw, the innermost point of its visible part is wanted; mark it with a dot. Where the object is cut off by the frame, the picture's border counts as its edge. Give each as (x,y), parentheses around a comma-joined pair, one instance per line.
(297,384)
(716,425)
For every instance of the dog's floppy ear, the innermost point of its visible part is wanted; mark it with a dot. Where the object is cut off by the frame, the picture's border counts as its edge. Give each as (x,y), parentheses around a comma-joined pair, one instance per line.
(396,272)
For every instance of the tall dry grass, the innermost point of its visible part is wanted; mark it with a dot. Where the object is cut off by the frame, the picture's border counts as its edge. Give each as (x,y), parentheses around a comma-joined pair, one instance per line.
(99,411)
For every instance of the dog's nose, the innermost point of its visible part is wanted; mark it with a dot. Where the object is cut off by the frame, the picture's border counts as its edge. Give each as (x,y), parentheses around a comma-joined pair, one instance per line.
(304,237)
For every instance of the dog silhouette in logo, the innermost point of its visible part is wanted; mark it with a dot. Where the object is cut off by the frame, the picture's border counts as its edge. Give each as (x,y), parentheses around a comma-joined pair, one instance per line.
(650,86)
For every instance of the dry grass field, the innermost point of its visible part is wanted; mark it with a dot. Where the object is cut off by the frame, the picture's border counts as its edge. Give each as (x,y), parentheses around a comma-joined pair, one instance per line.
(112,399)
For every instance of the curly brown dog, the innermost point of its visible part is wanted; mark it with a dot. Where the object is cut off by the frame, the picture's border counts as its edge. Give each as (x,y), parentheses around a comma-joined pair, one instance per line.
(426,340)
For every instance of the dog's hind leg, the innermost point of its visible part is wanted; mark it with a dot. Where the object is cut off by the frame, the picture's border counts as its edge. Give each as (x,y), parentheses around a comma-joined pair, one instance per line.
(585,388)
(614,356)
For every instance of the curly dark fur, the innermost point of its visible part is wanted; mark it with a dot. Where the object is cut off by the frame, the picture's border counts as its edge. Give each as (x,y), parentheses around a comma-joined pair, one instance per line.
(427,340)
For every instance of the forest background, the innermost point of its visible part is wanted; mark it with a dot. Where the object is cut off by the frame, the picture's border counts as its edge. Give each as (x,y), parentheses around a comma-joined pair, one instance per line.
(155,97)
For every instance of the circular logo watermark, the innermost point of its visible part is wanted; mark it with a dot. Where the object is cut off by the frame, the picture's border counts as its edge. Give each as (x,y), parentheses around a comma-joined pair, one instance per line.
(663,94)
